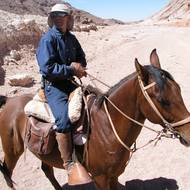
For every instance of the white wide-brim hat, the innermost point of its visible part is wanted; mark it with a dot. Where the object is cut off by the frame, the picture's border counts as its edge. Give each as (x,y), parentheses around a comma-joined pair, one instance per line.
(58,10)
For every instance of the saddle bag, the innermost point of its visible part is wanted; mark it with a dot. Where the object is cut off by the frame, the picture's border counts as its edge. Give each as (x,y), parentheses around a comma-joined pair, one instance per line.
(40,137)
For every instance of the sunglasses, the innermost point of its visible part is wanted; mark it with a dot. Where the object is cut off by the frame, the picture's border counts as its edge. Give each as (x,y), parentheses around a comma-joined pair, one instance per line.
(58,13)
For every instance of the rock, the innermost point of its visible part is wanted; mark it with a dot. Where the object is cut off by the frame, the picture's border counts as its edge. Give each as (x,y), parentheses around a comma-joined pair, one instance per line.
(87,21)
(85,28)
(15,55)
(93,27)
(23,80)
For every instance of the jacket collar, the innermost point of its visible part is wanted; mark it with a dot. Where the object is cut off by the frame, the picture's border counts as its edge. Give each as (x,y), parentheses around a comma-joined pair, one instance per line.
(57,32)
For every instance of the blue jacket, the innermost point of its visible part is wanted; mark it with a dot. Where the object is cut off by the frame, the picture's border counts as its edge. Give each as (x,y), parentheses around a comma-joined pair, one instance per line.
(55,53)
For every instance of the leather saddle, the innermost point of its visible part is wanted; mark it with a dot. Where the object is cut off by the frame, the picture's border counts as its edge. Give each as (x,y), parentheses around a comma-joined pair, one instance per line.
(40,136)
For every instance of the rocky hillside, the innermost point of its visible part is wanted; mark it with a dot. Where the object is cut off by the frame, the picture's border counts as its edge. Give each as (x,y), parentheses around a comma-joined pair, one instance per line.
(22,22)
(42,7)
(177,12)
(22,7)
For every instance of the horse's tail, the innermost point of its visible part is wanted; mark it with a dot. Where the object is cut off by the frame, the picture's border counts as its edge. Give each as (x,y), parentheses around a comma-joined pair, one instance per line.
(3,100)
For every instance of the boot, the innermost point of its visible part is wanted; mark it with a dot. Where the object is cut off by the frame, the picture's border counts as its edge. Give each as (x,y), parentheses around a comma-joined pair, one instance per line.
(65,147)
(77,174)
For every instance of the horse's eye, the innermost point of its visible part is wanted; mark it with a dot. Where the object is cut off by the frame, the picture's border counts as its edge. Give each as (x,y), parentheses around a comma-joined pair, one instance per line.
(163,102)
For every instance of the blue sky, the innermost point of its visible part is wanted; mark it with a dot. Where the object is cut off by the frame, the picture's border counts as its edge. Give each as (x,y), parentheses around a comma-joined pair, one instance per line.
(126,10)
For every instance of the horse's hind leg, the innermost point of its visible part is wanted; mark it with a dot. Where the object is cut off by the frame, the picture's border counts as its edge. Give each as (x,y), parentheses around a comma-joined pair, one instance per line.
(9,164)
(11,156)
(48,170)
(6,175)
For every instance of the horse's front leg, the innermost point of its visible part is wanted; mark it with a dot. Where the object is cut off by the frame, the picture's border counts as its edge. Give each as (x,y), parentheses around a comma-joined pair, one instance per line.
(48,170)
(102,182)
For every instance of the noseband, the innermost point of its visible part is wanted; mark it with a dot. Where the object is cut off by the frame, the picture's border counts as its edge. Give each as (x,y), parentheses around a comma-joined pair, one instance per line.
(168,126)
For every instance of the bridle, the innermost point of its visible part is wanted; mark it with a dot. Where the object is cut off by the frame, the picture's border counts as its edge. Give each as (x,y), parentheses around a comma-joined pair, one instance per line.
(168,127)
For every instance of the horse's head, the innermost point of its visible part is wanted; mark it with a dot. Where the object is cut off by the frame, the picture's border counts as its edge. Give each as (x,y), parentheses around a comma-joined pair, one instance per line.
(160,99)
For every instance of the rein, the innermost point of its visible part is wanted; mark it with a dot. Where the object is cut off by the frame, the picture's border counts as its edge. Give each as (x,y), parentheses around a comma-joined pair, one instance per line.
(160,134)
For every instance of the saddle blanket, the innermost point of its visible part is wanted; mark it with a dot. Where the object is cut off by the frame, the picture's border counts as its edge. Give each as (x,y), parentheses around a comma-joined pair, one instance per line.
(39,108)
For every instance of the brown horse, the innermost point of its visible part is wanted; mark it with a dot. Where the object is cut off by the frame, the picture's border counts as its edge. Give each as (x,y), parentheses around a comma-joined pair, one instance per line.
(107,156)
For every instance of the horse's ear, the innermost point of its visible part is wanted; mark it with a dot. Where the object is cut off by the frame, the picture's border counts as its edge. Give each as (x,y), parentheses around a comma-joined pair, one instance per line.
(141,71)
(154,59)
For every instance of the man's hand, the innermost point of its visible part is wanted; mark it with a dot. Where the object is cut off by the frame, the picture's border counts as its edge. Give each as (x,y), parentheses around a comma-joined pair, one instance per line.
(79,70)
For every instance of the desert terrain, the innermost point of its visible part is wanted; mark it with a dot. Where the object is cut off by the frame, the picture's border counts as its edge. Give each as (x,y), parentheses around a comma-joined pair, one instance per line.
(110,53)
(110,57)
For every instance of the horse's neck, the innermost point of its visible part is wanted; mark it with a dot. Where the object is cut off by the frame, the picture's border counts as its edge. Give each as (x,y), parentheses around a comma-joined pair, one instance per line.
(125,98)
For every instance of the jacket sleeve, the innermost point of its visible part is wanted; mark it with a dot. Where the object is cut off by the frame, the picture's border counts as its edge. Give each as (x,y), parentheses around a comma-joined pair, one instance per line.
(48,62)
(80,55)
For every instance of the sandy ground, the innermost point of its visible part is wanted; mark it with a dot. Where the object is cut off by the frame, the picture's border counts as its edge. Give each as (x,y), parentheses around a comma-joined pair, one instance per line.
(110,54)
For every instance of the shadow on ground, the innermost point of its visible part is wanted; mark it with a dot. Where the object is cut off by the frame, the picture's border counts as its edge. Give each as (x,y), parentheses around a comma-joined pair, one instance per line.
(89,186)
(152,184)
(137,184)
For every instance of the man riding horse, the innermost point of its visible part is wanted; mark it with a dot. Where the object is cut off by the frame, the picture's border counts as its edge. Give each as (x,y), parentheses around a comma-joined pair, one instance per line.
(60,57)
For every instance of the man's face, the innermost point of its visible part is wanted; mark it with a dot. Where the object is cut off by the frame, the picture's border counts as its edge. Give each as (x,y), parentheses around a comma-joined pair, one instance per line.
(61,22)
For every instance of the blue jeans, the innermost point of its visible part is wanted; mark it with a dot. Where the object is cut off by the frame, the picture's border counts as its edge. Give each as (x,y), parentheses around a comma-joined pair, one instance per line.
(57,97)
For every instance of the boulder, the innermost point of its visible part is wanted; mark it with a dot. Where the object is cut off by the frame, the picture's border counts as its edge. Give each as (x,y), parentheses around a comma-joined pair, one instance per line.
(23,80)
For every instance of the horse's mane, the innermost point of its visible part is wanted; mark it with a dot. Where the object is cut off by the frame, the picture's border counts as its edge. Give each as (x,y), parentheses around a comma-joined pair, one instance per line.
(158,74)
(93,90)
(117,85)
(101,97)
